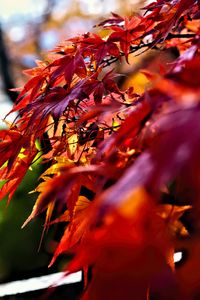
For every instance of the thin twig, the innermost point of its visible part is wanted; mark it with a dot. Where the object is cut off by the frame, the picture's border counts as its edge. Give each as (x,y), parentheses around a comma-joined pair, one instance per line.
(107,62)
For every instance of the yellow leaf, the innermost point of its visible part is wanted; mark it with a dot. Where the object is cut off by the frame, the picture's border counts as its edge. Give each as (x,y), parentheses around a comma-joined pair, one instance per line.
(139,81)
(21,154)
(115,125)
(73,143)
(135,202)
(172,213)
(81,204)
(55,169)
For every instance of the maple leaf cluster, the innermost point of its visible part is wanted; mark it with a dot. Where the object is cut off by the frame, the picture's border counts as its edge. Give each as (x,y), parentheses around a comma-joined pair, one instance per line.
(123,167)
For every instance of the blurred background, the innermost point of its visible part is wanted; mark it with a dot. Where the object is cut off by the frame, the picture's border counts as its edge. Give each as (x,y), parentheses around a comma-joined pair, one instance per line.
(28,30)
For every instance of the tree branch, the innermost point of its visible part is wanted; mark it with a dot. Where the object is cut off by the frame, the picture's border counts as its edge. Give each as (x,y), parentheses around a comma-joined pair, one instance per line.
(5,67)
(110,60)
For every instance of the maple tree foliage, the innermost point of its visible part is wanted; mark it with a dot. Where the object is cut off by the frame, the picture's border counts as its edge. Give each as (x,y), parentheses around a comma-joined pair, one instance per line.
(136,154)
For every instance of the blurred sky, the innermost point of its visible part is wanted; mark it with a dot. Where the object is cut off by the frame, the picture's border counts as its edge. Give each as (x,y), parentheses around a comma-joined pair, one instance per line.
(19,11)
(16,15)
(13,11)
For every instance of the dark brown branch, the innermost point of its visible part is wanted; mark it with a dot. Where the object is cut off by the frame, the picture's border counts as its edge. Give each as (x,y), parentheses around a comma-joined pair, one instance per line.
(5,67)
(110,60)
(180,36)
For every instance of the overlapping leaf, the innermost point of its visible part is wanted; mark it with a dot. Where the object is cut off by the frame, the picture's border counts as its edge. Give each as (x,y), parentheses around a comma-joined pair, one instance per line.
(112,153)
